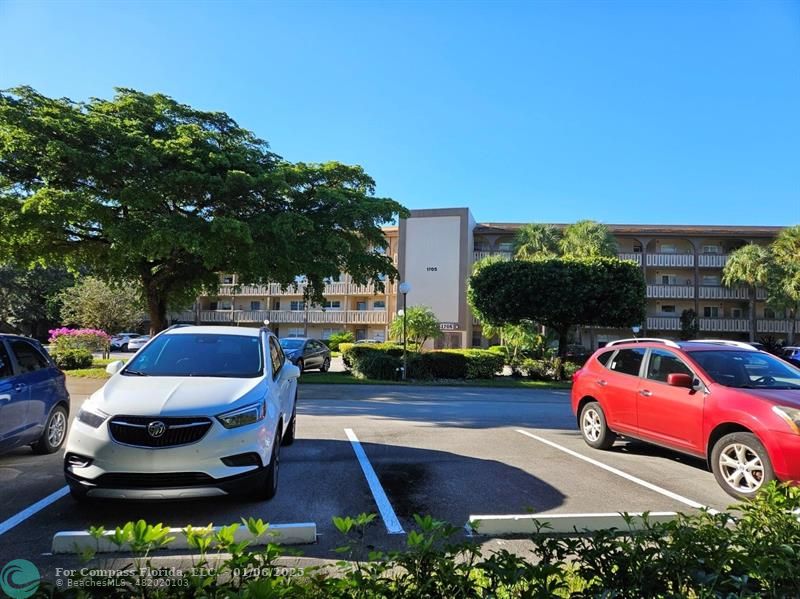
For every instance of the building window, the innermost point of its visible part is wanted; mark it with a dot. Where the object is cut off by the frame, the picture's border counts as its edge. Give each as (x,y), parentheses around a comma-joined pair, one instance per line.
(225,305)
(295,332)
(333,279)
(668,309)
(506,246)
(712,249)
(712,280)
(227,279)
(637,248)
(668,248)
(379,305)
(327,333)
(256,305)
(213,306)
(361,305)
(361,334)
(297,305)
(333,305)
(769,313)
(737,313)
(710,312)
(668,279)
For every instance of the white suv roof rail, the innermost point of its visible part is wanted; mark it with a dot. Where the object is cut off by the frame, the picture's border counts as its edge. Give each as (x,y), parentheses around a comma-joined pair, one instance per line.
(740,344)
(668,342)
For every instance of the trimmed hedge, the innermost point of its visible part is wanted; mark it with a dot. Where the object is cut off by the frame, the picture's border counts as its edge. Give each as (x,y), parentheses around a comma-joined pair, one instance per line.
(382,361)
(73,359)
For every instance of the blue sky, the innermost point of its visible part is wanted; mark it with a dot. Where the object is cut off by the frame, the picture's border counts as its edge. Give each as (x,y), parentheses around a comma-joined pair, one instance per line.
(625,112)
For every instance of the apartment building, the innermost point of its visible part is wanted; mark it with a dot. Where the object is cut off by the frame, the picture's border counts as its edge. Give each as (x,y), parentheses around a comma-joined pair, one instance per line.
(434,251)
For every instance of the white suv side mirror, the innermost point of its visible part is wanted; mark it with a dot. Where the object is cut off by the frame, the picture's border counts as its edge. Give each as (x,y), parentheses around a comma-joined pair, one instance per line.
(290,371)
(114,367)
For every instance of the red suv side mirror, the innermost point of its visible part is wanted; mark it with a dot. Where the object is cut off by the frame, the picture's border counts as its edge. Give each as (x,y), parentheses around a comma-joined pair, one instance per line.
(679,379)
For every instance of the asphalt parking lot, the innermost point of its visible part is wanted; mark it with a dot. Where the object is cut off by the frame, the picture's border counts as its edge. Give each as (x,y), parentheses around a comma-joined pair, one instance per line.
(448,452)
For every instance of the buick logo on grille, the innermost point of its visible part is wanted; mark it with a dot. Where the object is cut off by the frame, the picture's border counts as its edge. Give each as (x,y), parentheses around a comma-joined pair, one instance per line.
(156,429)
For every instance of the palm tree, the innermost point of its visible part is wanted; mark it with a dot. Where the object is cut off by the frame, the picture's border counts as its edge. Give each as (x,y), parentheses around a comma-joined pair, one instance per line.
(750,265)
(784,287)
(537,241)
(588,239)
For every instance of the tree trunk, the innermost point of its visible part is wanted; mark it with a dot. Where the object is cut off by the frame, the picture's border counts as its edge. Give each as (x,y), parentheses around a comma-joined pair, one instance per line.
(156,308)
(562,350)
(753,313)
(792,326)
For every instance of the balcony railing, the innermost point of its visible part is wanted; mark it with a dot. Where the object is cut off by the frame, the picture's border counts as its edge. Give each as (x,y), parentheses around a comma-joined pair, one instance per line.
(273,289)
(635,256)
(719,292)
(480,255)
(775,325)
(661,259)
(670,291)
(663,323)
(294,316)
(724,325)
(712,260)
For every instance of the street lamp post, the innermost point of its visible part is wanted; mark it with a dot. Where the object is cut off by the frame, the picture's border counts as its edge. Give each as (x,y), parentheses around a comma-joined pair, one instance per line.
(404,288)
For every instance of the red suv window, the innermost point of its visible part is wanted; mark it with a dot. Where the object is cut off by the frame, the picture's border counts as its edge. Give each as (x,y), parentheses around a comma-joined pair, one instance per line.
(628,361)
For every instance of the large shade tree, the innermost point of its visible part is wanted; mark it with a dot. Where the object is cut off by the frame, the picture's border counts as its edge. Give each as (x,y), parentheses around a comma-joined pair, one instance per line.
(29,297)
(141,187)
(559,293)
(750,265)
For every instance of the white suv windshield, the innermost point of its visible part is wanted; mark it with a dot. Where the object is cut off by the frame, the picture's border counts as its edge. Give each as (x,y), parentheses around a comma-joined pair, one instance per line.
(233,356)
(747,369)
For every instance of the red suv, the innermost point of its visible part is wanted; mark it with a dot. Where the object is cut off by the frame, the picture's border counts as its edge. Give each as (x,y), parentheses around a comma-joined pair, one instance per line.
(725,401)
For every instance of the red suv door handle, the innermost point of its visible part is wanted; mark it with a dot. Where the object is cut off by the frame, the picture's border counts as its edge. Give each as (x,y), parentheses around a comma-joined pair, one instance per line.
(645,392)
(602,383)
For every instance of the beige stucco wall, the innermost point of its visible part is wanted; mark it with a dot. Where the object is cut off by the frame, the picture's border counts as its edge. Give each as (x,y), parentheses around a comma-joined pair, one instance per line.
(432,264)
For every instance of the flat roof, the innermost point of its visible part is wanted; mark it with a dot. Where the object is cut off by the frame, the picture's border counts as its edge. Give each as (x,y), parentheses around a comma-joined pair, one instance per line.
(694,230)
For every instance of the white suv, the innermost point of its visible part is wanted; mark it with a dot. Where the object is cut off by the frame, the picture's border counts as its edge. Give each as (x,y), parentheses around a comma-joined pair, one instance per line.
(199,412)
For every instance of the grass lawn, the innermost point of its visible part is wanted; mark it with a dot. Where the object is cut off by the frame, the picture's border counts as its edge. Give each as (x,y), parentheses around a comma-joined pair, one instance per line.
(97,371)
(346,378)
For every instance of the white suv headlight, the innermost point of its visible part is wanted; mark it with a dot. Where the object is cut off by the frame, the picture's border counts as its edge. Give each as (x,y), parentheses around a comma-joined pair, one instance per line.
(790,415)
(244,416)
(93,419)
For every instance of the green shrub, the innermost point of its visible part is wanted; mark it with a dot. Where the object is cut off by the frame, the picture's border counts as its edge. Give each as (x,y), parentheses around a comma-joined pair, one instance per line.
(571,368)
(335,340)
(750,552)
(482,364)
(73,359)
(445,364)
(378,365)
(344,347)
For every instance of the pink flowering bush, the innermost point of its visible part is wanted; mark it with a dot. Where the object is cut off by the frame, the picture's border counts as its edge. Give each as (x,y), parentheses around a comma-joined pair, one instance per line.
(91,339)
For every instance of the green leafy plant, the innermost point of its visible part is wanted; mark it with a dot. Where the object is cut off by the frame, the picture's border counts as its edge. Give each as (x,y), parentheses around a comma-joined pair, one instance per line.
(72,359)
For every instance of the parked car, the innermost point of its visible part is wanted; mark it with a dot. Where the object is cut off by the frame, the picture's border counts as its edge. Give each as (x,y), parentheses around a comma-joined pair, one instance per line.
(119,342)
(137,343)
(34,403)
(735,406)
(791,354)
(199,412)
(307,353)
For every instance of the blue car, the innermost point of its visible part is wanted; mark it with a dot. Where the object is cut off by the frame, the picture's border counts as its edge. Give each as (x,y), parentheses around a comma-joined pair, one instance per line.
(34,403)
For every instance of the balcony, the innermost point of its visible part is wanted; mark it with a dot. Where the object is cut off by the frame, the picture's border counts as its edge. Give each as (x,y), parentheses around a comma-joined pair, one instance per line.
(668,259)
(724,325)
(482,254)
(670,291)
(663,323)
(634,256)
(712,260)
(719,292)
(273,289)
(294,316)
(770,325)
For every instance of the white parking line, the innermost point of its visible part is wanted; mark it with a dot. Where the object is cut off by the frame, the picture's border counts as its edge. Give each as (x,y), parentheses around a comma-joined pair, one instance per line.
(30,511)
(390,520)
(618,472)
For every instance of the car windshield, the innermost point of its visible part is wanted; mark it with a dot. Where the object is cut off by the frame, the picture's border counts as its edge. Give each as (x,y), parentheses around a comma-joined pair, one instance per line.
(292,343)
(198,354)
(748,369)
